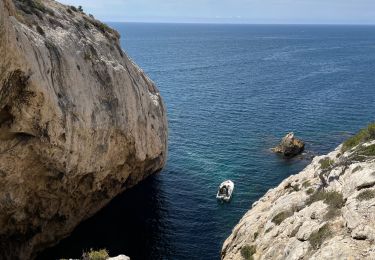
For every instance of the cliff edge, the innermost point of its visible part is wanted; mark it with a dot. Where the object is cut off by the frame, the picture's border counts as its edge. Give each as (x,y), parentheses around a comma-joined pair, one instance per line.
(325,212)
(79,123)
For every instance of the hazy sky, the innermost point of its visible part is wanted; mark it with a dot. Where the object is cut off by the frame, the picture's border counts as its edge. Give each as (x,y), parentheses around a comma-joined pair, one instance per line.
(232,11)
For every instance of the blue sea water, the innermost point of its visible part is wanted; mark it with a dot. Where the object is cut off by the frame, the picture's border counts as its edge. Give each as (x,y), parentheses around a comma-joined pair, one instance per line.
(232,91)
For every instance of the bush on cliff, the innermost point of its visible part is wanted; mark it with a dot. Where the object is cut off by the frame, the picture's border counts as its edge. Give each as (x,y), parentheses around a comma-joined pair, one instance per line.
(326,163)
(366,195)
(279,218)
(333,199)
(317,238)
(364,135)
(101,254)
(247,252)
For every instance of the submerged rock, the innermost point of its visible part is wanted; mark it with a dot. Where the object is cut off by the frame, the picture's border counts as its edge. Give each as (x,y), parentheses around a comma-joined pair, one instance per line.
(327,211)
(79,123)
(290,146)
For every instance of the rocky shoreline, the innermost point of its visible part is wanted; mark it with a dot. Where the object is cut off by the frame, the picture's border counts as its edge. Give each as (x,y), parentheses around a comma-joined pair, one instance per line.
(327,211)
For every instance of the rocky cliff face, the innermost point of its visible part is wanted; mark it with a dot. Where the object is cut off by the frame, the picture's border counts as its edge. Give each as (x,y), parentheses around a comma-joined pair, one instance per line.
(79,123)
(325,212)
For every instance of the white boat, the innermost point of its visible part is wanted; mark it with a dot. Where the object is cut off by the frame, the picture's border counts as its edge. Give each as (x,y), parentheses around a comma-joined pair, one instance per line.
(225,190)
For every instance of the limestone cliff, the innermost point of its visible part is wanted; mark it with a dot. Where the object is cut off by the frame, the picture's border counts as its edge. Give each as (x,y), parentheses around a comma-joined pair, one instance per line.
(79,123)
(325,212)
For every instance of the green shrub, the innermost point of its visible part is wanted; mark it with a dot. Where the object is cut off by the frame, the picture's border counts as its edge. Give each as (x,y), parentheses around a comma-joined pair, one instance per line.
(310,191)
(364,135)
(102,26)
(247,252)
(366,195)
(362,152)
(367,150)
(32,7)
(279,218)
(87,56)
(73,8)
(101,254)
(317,238)
(326,163)
(80,9)
(332,198)
(35,4)
(332,213)
(256,235)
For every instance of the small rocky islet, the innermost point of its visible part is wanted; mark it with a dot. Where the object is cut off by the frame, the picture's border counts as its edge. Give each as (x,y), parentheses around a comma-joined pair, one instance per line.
(289,146)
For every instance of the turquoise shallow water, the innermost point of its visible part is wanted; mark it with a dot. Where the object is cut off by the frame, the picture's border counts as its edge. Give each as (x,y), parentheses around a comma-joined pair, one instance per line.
(232,91)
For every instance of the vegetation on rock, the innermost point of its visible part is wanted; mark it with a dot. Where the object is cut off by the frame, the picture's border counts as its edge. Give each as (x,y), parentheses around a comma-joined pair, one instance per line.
(331,198)
(326,163)
(31,7)
(279,218)
(101,254)
(364,135)
(366,195)
(247,252)
(310,191)
(317,238)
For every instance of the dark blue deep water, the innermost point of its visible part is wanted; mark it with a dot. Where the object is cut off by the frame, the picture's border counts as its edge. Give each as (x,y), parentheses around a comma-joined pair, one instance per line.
(232,91)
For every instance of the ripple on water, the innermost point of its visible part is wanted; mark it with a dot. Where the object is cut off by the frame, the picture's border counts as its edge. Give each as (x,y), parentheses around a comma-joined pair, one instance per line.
(231,91)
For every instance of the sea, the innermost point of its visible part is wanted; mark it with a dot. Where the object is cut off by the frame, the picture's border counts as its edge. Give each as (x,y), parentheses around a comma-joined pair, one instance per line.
(231,92)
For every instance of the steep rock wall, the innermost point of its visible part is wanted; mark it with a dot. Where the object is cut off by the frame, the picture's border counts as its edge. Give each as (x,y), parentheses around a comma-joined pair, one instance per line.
(79,123)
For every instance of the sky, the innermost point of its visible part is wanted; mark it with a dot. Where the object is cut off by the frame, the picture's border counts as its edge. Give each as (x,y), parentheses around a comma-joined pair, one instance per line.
(232,11)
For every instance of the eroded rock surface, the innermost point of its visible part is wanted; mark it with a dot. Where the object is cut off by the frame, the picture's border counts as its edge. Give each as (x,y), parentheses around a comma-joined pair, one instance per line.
(325,212)
(290,146)
(79,123)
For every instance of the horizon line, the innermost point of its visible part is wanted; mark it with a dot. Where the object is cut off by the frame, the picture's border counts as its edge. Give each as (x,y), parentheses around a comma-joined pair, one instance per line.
(237,23)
